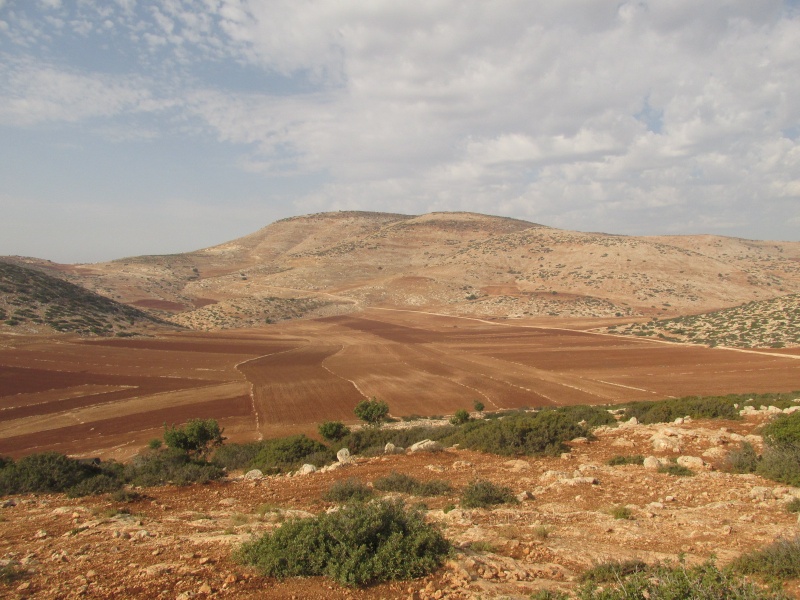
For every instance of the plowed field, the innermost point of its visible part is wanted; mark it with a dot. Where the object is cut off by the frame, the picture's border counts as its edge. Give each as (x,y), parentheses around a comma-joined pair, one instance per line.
(109,397)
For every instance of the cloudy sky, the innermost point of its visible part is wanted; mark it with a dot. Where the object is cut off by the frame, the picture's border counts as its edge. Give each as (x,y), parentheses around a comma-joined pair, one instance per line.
(145,127)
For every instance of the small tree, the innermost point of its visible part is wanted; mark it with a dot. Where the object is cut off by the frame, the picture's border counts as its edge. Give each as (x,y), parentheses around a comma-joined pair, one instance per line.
(333,431)
(478,405)
(460,417)
(197,437)
(372,411)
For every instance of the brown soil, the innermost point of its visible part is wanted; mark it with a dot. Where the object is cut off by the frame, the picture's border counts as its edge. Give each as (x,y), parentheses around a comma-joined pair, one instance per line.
(177,542)
(110,396)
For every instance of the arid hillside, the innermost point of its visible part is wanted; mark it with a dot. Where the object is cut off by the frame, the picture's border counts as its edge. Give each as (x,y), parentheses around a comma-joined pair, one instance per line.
(34,302)
(454,263)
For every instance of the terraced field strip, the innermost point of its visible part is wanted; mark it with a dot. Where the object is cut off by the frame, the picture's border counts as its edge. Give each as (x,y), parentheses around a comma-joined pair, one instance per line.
(381,370)
(293,388)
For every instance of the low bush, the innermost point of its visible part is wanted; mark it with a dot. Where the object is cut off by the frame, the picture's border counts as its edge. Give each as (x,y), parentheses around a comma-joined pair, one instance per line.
(781,464)
(237,456)
(400,482)
(633,459)
(460,417)
(675,469)
(613,571)
(348,490)
(485,494)
(783,431)
(198,437)
(676,581)
(358,442)
(696,407)
(621,512)
(793,506)
(285,454)
(543,432)
(358,545)
(44,472)
(99,484)
(743,459)
(333,431)
(169,465)
(780,560)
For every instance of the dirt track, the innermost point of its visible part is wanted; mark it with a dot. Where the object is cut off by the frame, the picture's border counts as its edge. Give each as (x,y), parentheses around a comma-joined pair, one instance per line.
(109,397)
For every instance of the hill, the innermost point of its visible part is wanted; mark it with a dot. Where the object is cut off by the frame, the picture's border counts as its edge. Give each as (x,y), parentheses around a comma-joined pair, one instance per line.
(453,263)
(34,302)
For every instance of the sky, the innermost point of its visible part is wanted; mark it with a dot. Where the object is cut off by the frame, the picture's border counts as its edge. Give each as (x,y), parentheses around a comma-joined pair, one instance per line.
(132,127)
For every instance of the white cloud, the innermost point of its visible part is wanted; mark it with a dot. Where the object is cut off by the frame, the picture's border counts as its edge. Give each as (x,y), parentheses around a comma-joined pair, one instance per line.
(583,113)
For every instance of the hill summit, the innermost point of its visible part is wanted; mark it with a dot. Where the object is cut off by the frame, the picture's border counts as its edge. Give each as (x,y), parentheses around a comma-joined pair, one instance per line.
(453,263)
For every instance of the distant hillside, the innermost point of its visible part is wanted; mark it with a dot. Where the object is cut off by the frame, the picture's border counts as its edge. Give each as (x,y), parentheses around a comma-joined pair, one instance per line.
(34,301)
(454,263)
(766,324)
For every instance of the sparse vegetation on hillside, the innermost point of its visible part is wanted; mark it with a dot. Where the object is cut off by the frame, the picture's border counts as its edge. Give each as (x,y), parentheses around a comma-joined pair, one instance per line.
(771,323)
(30,297)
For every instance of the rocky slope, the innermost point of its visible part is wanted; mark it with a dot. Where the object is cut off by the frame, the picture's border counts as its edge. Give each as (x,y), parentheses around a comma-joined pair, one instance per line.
(34,302)
(177,542)
(456,263)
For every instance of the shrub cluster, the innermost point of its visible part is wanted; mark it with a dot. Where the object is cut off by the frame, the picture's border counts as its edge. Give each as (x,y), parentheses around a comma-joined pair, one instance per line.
(696,407)
(633,459)
(780,560)
(51,472)
(348,490)
(274,456)
(543,432)
(781,458)
(358,545)
(669,581)
(485,494)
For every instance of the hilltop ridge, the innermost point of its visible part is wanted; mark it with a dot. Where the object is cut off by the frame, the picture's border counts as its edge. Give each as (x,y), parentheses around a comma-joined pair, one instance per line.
(454,263)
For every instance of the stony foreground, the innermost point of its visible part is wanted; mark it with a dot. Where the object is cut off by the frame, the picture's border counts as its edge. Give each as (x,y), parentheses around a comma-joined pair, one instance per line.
(176,543)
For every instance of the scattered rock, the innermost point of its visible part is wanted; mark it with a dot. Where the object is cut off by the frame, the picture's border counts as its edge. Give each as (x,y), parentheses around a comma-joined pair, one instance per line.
(651,463)
(692,462)
(254,474)
(343,456)
(426,446)
(307,469)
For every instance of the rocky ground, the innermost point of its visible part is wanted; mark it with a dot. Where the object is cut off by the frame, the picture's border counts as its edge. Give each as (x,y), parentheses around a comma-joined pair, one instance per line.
(177,543)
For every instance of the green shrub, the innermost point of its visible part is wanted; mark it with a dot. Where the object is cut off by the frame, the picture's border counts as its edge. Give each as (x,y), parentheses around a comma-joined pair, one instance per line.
(372,411)
(169,465)
(621,512)
(478,406)
(664,411)
(237,456)
(549,595)
(99,484)
(155,444)
(634,459)
(780,560)
(375,438)
(677,582)
(286,454)
(783,430)
(348,490)
(793,506)
(43,472)
(358,545)
(400,482)
(675,469)
(781,464)
(743,459)
(333,430)
(460,417)
(613,571)
(198,437)
(521,433)
(485,494)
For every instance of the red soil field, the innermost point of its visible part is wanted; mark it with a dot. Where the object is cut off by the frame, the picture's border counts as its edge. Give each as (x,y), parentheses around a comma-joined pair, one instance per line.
(109,397)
